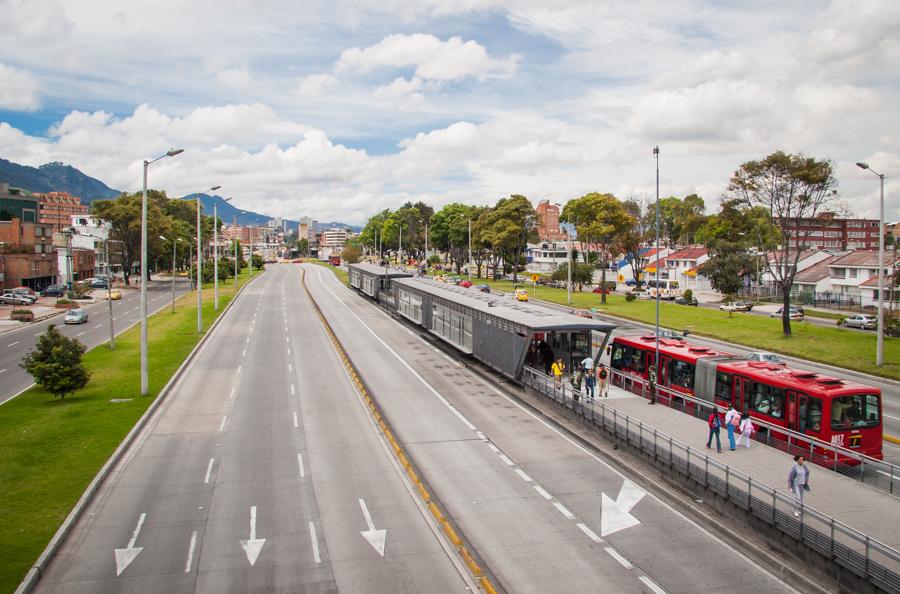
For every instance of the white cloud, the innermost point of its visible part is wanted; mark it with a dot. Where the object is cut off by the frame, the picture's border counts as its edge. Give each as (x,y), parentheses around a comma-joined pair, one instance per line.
(402,93)
(19,91)
(235,78)
(315,85)
(432,58)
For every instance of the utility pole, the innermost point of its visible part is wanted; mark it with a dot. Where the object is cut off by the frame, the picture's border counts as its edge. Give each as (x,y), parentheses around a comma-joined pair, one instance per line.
(470,250)
(655,370)
(235,241)
(112,333)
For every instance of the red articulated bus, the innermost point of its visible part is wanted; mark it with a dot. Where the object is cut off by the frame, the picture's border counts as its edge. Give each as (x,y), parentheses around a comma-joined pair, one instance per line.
(843,413)
(334,260)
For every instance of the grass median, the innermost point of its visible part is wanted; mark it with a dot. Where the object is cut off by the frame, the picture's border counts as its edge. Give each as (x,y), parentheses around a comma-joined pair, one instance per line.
(52,449)
(850,349)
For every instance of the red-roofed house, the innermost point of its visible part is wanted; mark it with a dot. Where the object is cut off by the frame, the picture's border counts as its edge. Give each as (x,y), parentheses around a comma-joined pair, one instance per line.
(683,264)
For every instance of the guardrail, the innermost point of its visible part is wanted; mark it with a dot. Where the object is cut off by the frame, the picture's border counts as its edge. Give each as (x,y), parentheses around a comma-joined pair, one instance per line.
(867,558)
(871,471)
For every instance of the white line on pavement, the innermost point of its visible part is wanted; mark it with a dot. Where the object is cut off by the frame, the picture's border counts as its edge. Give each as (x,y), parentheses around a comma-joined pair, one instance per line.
(2,370)
(652,585)
(98,326)
(543,492)
(615,555)
(239,368)
(222,424)
(13,344)
(79,334)
(494,448)
(290,367)
(190,557)
(244,354)
(287,338)
(506,460)
(590,533)
(209,466)
(248,340)
(315,542)
(233,388)
(300,463)
(563,510)
(292,389)
(296,424)
(522,474)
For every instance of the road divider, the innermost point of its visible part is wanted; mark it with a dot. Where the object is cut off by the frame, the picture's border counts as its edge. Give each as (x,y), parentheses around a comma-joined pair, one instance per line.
(427,498)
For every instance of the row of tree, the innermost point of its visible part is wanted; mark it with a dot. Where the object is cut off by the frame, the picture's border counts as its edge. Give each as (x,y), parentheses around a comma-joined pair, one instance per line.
(758,227)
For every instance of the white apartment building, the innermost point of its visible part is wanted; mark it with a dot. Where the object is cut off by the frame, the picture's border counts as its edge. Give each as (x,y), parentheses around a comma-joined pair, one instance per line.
(336,238)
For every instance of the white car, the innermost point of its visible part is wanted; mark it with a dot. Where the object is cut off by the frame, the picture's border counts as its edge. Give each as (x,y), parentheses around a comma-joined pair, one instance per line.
(795,314)
(861,321)
(765,357)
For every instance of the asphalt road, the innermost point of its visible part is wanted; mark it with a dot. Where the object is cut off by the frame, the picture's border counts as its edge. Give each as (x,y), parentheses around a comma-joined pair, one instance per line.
(262,472)
(544,513)
(126,313)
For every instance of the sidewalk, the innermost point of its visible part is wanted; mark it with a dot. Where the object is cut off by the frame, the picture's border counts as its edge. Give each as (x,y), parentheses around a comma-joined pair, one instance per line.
(868,510)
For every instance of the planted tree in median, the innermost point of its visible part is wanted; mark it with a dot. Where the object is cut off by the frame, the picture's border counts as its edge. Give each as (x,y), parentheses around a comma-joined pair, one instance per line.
(55,363)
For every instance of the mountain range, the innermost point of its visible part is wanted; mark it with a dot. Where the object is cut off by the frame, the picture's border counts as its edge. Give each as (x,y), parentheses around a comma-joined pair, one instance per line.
(59,177)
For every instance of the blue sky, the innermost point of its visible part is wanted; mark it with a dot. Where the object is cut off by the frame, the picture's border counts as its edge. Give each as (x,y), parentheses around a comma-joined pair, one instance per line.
(343,108)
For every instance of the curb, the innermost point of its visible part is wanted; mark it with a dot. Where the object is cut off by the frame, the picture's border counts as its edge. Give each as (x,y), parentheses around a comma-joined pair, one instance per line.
(34,574)
(890,438)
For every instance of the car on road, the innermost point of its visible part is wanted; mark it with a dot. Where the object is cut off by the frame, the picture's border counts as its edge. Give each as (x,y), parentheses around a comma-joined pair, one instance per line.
(794,313)
(521,295)
(861,321)
(483,288)
(76,316)
(629,283)
(584,313)
(465,283)
(115,295)
(53,291)
(14,299)
(736,306)
(692,301)
(765,357)
(99,283)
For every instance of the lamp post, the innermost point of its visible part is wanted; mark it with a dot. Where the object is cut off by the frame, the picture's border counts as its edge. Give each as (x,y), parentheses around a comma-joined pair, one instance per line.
(216,254)
(656,355)
(469,265)
(145,379)
(200,264)
(879,348)
(174,257)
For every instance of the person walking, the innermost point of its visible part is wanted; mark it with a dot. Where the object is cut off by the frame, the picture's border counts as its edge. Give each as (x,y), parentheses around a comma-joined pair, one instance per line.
(746,428)
(557,370)
(732,422)
(602,376)
(715,423)
(589,384)
(798,481)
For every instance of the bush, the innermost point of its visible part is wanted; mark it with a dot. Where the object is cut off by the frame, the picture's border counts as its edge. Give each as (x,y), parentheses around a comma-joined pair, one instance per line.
(840,320)
(21,311)
(55,363)
(64,301)
(688,295)
(630,296)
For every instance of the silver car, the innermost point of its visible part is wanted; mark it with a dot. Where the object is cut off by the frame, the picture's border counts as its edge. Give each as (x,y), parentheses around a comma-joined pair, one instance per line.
(764,357)
(14,299)
(861,321)
(76,316)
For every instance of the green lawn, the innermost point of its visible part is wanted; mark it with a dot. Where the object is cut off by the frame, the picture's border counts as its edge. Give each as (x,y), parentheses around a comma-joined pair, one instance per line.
(844,348)
(52,449)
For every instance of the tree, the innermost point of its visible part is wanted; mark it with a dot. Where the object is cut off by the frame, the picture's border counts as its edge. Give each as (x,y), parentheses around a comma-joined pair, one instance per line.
(793,189)
(303,246)
(633,241)
(55,363)
(582,274)
(729,265)
(351,253)
(508,228)
(449,231)
(124,216)
(599,219)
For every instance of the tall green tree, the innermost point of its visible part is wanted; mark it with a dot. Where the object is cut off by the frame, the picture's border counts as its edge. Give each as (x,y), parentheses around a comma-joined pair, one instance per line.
(509,226)
(634,240)
(55,363)
(124,216)
(793,188)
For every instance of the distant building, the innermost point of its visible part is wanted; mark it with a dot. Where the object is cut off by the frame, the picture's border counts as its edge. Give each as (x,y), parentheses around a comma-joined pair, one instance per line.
(308,228)
(57,209)
(26,244)
(335,238)
(827,230)
(92,233)
(548,222)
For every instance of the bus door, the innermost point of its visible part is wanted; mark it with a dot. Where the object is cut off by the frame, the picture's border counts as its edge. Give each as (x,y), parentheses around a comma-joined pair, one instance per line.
(794,405)
(740,397)
(664,379)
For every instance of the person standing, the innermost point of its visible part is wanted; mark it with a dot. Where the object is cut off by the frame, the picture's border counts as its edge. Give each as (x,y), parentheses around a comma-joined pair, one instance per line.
(587,363)
(747,429)
(557,370)
(715,423)
(589,383)
(602,376)
(651,384)
(798,481)
(732,422)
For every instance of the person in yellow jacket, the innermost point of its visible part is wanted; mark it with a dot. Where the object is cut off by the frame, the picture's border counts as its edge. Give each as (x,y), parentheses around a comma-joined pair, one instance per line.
(557,369)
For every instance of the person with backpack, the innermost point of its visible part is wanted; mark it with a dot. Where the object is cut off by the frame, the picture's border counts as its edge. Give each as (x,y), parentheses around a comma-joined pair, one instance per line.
(746,428)
(798,481)
(732,422)
(715,423)
(589,383)
(602,376)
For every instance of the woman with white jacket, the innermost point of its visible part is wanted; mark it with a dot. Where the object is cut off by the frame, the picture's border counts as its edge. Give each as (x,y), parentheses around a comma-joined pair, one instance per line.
(746,428)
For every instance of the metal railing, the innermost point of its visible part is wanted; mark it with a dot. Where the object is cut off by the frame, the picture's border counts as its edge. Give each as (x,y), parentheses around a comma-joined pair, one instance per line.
(871,560)
(871,471)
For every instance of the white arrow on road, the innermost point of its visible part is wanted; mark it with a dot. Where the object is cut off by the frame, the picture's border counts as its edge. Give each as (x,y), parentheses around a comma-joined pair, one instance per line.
(616,515)
(125,556)
(376,538)
(253,545)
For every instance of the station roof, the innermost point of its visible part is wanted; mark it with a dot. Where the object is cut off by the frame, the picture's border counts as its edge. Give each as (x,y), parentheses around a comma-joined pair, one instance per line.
(379,270)
(535,317)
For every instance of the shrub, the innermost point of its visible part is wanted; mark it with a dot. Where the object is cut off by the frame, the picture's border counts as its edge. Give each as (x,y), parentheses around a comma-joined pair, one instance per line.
(21,311)
(63,301)
(840,320)
(630,296)
(688,294)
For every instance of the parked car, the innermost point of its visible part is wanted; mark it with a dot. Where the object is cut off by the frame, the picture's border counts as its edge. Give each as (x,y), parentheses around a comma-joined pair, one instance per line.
(692,301)
(465,283)
(861,321)
(764,357)
(23,291)
(14,299)
(521,295)
(483,288)
(735,306)
(99,283)
(54,291)
(30,298)
(584,313)
(76,316)
(115,295)
(628,283)
(795,313)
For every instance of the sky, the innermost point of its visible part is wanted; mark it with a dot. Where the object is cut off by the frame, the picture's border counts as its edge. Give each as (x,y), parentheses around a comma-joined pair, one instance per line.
(338,109)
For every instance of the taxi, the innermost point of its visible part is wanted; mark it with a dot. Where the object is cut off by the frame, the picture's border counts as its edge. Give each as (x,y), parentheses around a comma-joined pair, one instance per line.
(115,295)
(521,295)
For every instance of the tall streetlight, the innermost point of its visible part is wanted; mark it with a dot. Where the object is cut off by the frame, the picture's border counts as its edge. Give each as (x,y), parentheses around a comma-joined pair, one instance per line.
(200,264)
(879,348)
(145,379)
(216,254)
(656,356)
(174,257)
(470,251)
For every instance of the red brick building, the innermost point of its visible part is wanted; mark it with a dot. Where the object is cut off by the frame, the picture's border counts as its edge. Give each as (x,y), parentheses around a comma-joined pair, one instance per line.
(548,222)
(26,251)
(57,209)
(829,231)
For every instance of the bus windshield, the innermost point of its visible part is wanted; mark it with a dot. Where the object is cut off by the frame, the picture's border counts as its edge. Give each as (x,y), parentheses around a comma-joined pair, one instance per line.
(673,284)
(854,412)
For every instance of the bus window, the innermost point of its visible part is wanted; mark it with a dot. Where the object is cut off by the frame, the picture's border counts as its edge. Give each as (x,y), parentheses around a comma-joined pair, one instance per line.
(617,357)
(854,412)
(767,400)
(810,416)
(680,374)
(723,386)
(673,285)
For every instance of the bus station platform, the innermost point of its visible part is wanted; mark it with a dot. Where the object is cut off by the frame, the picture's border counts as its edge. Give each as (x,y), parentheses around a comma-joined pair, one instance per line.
(848,522)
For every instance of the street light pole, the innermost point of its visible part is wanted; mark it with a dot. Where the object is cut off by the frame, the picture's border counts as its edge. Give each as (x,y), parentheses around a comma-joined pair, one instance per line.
(145,377)
(235,242)
(656,355)
(470,250)
(879,345)
(109,279)
(200,264)
(216,255)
